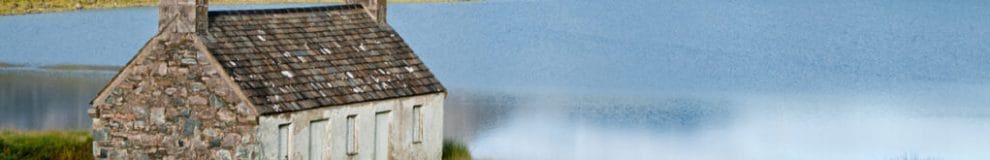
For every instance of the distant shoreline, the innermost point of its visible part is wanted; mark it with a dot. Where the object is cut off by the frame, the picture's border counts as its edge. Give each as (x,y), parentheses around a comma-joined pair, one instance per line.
(83,67)
(9,65)
(20,7)
(66,67)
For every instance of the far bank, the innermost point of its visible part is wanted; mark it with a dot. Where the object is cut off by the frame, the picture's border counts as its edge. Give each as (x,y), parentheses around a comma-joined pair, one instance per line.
(17,7)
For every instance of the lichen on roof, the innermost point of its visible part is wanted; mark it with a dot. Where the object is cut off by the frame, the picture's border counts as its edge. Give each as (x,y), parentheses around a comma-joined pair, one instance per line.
(299,58)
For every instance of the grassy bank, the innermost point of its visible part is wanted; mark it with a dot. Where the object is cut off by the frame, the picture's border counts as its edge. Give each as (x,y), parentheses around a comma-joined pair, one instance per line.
(59,145)
(453,150)
(55,145)
(13,7)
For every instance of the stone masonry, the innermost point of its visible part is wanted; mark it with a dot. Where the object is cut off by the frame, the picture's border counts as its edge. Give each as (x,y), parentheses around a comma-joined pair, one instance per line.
(172,105)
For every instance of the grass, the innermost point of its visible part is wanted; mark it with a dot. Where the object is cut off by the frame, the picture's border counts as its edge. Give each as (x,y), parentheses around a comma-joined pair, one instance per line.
(65,145)
(53,145)
(453,150)
(14,7)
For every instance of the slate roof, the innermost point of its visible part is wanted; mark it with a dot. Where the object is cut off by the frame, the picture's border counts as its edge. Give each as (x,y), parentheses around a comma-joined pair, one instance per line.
(300,58)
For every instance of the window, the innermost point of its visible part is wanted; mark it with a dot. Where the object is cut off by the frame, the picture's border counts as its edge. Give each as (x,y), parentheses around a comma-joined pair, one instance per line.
(283,141)
(382,125)
(417,124)
(317,139)
(352,135)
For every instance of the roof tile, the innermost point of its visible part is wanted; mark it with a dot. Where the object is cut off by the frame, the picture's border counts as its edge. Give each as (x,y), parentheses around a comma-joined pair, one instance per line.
(300,58)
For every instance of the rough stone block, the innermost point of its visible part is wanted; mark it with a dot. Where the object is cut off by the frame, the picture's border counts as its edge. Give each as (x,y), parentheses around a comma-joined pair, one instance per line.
(188,61)
(214,143)
(211,133)
(158,115)
(176,101)
(189,128)
(223,154)
(170,91)
(231,140)
(197,86)
(216,102)
(162,69)
(243,152)
(206,114)
(197,100)
(139,124)
(139,111)
(226,116)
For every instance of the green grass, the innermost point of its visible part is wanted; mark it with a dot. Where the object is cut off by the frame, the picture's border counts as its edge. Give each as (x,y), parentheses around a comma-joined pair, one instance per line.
(453,150)
(13,7)
(59,145)
(53,145)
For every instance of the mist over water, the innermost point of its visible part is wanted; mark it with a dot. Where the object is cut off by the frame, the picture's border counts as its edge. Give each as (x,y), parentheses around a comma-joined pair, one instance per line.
(638,79)
(938,124)
(711,79)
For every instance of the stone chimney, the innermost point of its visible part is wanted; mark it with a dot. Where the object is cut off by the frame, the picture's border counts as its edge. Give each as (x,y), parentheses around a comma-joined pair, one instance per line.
(182,16)
(375,7)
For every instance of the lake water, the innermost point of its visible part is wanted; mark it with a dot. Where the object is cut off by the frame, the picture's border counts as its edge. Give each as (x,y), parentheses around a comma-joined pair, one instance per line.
(636,79)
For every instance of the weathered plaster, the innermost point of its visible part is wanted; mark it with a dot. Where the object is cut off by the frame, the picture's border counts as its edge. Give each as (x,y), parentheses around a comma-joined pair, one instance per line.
(401,144)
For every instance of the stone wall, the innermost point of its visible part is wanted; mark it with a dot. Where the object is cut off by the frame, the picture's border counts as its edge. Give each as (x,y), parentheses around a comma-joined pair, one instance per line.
(171,102)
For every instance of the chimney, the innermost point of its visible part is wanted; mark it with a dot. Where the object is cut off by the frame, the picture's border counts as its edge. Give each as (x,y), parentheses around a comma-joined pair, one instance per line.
(182,16)
(375,7)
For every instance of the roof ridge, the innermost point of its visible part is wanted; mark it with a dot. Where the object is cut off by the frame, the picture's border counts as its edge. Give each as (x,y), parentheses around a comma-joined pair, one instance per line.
(287,10)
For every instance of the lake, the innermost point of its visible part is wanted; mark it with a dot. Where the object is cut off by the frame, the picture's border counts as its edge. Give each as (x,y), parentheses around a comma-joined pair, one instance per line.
(636,79)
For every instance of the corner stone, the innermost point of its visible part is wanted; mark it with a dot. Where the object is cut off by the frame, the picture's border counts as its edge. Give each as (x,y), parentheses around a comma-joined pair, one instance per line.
(100,135)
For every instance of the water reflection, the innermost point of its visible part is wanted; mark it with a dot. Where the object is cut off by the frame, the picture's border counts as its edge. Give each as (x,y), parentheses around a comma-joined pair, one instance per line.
(44,99)
(859,124)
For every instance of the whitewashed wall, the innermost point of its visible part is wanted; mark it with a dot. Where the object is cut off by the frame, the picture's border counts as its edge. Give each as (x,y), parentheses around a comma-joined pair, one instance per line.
(401,145)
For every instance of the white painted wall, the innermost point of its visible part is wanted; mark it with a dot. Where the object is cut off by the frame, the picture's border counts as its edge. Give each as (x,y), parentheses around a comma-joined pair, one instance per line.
(400,131)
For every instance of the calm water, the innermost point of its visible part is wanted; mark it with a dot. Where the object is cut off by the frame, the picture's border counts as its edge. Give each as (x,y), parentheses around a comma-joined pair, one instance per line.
(638,79)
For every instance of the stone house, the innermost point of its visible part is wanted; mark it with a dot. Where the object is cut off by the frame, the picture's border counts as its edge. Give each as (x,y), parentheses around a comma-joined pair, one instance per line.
(328,82)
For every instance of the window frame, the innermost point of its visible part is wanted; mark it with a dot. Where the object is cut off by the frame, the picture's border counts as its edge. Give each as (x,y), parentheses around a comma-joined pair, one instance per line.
(284,139)
(417,124)
(351,146)
(315,138)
